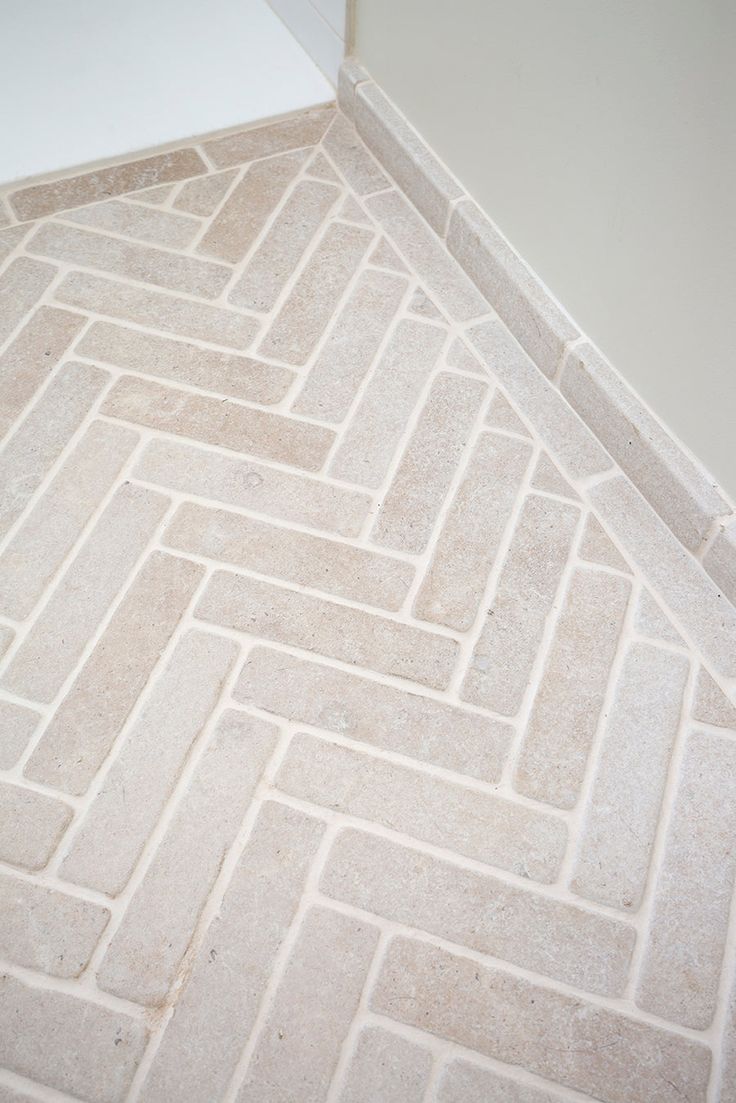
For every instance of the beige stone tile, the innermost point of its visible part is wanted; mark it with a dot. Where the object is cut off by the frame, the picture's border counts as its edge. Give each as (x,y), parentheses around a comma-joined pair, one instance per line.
(10,1095)
(11,238)
(173,231)
(157,195)
(31,358)
(249,485)
(276,258)
(623,806)
(57,520)
(683,584)
(216,1009)
(143,263)
(318,995)
(463,1082)
(204,195)
(304,129)
(651,621)
(501,415)
(31,825)
(525,594)
(582,1046)
(338,631)
(384,256)
(689,921)
(320,167)
(442,274)
(361,171)
(468,543)
(87,588)
(459,356)
(42,436)
(236,376)
(481,912)
(711,705)
(220,422)
(144,773)
(568,703)
(157,310)
(597,547)
(76,742)
(46,930)
(720,561)
(368,711)
(144,955)
(677,488)
(726,1089)
(386,1066)
(7,635)
(76,191)
(17,725)
(351,74)
(351,346)
(378,422)
(21,285)
(568,439)
(309,307)
(540,326)
(297,557)
(473,823)
(547,478)
(351,211)
(420,484)
(249,206)
(41,1029)
(413,166)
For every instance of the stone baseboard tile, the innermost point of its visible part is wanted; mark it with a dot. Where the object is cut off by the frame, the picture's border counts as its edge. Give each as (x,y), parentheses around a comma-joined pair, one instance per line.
(678,488)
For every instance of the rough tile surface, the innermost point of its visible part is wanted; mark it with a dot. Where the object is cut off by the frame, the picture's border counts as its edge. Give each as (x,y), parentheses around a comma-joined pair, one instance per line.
(343,722)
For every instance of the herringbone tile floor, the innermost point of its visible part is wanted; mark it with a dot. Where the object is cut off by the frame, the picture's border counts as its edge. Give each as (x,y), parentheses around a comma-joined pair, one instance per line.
(344,756)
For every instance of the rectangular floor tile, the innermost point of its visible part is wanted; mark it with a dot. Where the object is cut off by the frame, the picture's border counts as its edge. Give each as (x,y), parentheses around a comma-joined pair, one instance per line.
(388,1067)
(305,129)
(172,231)
(21,285)
(31,825)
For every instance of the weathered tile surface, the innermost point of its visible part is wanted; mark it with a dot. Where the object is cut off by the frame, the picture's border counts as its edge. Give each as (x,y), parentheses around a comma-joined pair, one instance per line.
(310,640)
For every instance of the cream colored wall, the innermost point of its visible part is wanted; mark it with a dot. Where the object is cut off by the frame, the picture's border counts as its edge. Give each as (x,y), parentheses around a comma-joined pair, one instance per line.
(599,136)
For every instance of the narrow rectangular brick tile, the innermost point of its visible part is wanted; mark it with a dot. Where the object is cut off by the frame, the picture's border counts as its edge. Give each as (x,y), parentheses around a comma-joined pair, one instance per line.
(436,268)
(17,725)
(173,231)
(468,543)
(144,263)
(39,200)
(311,1012)
(312,300)
(338,631)
(564,718)
(351,346)
(373,434)
(249,485)
(43,434)
(53,526)
(386,1067)
(85,591)
(157,310)
(220,422)
(359,168)
(21,285)
(216,1009)
(556,939)
(476,824)
(689,921)
(463,1082)
(70,928)
(276,258)
(298,557)
(67,1042)
(79,736)
(305,129)
(29,360)
(624,803)
(249,206)
(419,486)
(144,955)
(507,647)
(236,376)
(145,771)
(580,1045)
(31,825)
(204,195)
(383,716)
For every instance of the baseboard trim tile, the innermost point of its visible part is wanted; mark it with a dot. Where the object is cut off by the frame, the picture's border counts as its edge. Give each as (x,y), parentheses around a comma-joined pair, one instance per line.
(350,76)
(720,560)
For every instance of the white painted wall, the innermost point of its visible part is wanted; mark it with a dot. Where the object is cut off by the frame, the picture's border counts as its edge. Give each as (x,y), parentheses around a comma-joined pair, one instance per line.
(82,80)
(599,135)
(320,27)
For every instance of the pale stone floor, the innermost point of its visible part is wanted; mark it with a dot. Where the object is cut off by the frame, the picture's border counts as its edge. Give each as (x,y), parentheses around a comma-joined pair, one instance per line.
(344,756)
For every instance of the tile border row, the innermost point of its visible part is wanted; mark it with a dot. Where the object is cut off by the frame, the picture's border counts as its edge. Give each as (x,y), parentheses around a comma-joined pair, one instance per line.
(673,483)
